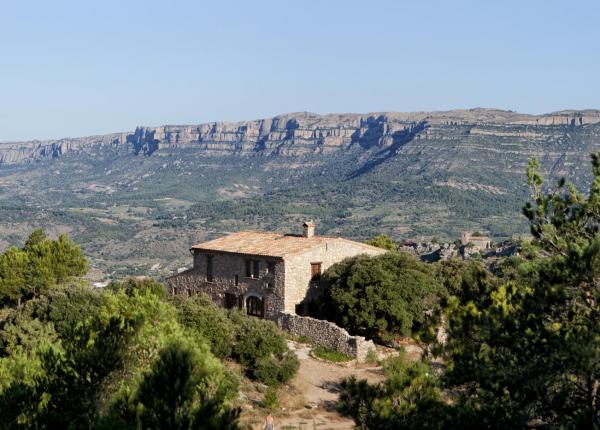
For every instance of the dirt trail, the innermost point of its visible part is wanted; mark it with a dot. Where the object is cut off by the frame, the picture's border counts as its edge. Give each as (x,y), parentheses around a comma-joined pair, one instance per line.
(315,390)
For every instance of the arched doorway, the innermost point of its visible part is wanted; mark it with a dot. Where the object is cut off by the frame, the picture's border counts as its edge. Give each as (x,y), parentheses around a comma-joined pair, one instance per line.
(255,306)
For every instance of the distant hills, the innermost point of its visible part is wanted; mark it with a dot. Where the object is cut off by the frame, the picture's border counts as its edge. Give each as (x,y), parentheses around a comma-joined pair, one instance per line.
(137,200)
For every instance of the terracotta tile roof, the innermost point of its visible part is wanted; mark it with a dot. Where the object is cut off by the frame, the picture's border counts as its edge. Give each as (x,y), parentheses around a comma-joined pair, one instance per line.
(269,244)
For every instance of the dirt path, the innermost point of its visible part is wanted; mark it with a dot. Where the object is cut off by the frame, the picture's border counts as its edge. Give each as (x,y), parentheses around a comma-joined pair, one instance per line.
(310,404)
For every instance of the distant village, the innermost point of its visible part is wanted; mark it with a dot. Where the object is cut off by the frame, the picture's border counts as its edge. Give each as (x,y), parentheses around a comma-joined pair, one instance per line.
(470,245)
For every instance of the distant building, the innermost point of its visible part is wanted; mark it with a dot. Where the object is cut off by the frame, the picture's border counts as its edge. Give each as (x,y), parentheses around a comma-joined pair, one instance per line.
(478,242)
(264,273)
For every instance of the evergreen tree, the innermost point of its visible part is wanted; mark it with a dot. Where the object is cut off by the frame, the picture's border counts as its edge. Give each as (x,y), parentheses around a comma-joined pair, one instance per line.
(14,264)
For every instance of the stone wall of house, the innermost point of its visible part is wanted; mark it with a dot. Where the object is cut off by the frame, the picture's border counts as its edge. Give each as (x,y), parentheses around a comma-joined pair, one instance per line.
(326,334)
(298,274)
(268,286)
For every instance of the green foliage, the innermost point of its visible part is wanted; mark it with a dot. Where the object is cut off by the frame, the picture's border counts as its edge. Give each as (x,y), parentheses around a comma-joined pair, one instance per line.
(276,369)
(184,389)
(270,401)
(256,344)
(467,280)
(410,398)
(380,296)
(138,284)
(200,314)
(41,265)
(384,242)
(65,390)
(329,354)
(14,265)
(261,347)
(528,349)
(74,357)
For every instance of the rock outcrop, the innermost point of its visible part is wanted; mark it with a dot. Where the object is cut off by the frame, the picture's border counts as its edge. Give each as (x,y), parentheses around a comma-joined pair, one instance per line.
(301,133)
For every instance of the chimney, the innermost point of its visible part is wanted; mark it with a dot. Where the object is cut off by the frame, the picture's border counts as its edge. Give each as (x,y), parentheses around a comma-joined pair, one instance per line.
(309,228)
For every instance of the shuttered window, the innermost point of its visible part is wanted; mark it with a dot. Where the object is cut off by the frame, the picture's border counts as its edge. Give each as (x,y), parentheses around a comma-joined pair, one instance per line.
(315,270)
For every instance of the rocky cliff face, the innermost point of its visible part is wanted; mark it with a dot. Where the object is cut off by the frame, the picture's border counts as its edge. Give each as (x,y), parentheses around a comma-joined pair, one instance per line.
(302,133)
(36,150)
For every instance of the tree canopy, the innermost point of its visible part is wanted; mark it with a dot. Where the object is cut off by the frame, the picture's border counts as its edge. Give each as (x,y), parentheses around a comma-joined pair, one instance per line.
(38,266)
(380,296)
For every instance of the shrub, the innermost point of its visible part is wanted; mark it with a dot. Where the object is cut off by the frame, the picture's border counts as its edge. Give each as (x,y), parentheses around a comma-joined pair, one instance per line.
(199,313)
(272,370)
(185,388)
(130,285)
(270,400)
(262,348)
(409,398)
(384,242)
(380,296)
(256,338)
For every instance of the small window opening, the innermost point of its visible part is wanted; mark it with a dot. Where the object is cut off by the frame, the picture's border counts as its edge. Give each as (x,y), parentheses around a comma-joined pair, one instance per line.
(315,270)
(209,268)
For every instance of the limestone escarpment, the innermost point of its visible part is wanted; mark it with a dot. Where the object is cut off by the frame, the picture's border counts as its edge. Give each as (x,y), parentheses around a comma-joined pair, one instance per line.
(302,133)
(36,150)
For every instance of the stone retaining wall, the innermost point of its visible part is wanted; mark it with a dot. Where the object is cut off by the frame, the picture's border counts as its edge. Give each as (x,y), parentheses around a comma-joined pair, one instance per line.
(326,334)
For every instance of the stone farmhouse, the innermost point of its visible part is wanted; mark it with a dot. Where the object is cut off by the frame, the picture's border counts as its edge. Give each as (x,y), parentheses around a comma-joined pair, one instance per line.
(265,274)
(479,242)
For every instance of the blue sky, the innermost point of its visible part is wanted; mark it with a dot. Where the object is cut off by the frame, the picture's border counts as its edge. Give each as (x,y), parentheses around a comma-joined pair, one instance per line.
(74,68)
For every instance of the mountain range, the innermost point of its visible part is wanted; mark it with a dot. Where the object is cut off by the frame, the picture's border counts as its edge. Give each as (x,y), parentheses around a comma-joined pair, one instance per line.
(137,200)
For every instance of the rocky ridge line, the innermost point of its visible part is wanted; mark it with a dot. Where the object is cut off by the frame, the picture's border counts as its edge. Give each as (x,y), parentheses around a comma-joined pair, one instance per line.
(300,133)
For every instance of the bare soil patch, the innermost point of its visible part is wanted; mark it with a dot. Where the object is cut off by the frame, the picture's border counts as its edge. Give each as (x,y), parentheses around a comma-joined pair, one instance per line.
(308,402)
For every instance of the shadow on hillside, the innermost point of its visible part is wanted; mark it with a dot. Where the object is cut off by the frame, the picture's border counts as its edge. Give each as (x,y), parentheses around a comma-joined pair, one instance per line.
(399,139)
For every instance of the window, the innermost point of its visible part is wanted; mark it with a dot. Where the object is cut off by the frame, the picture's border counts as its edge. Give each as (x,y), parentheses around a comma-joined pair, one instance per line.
(315,270)
(252,269)
(255,307)
(231,301)
(237,280)
(270,267)
(209,268)
(256,269)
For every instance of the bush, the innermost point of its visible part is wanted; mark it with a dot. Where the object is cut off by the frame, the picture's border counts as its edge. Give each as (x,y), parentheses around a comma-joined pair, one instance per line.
(384,242)
(256,338)
(272,370)
(270,400)
(380,296)
(409,398)
(261,347)
(130,285)
(185,388)
(199,313)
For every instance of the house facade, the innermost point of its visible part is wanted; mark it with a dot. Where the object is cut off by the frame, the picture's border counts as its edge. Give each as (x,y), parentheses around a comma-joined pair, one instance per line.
(264,273)
(480,243)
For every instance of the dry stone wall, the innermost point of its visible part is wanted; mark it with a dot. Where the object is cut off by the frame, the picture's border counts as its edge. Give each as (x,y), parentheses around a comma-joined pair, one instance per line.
(326,334)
